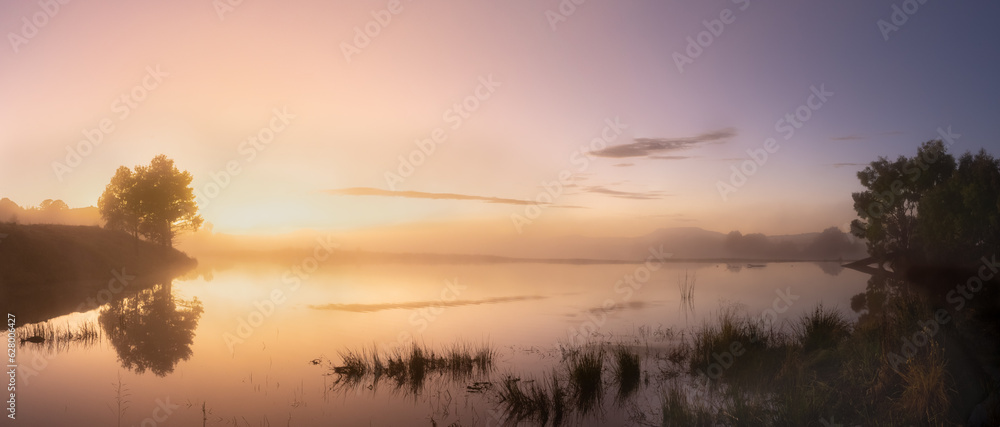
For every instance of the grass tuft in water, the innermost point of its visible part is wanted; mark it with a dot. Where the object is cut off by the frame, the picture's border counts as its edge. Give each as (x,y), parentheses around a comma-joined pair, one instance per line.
(627,371)
(411,365)
(532,400)
(823,328)
(677,411)
(585,370)
(686,285)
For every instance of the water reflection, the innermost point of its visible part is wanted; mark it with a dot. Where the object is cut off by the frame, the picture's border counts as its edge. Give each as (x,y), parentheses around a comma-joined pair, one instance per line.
(831,268)
(414,305)
(151,330)
(56,338)
(881,291)
(411,366)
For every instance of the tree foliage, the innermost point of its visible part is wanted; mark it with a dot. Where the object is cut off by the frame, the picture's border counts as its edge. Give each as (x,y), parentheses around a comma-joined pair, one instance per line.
(154,201)
(49,205)
(960,219)
(929,206)
(832,243)
(151,330)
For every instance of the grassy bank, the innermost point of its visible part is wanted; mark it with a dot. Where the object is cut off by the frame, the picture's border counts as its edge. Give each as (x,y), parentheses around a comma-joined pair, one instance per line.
(895,366)
(50,270)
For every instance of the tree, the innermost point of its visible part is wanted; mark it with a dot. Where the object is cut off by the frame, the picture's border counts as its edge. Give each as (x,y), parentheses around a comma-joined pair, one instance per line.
(887,210)
(757,245)
(151,330)
(832,243)
(49,205)
(961,217)
(929,207)
(119,205)
(154,201)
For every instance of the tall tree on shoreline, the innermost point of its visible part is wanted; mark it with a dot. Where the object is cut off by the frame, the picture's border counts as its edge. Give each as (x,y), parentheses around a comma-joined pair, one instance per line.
(154,201)
(960,219)
(887,209)
(930,207)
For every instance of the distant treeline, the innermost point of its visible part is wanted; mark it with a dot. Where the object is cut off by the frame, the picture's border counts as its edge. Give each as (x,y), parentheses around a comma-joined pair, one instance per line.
(48,212)
(832,243)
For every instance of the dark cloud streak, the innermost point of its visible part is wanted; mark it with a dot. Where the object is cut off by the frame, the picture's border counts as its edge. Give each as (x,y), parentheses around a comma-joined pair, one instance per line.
(652,195)
(368,191)
(645,147)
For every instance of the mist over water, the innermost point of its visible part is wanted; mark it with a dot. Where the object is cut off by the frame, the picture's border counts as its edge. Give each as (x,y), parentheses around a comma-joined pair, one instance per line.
(246,357)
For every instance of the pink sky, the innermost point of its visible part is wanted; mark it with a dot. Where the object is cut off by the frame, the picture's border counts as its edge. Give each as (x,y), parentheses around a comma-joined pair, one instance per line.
(345,123)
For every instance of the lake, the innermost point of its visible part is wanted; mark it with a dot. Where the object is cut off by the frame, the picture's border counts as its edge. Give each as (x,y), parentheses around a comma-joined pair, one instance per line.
(252,344)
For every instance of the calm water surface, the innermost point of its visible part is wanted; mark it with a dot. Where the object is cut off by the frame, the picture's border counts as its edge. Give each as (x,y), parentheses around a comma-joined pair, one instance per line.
(251,361)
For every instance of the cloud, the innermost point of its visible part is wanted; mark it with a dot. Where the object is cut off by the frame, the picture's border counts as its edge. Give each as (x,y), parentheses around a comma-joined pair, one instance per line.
(651,195)
(624,165)
(671,157)
(631,305)
(643,147)
(366,308)
(842,165)
(368,191)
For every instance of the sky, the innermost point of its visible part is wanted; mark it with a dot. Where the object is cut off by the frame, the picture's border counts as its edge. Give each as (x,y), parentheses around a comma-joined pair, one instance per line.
(544,116)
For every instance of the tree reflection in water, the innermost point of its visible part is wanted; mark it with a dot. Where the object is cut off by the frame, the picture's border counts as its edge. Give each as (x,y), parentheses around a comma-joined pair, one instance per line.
(151,330)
